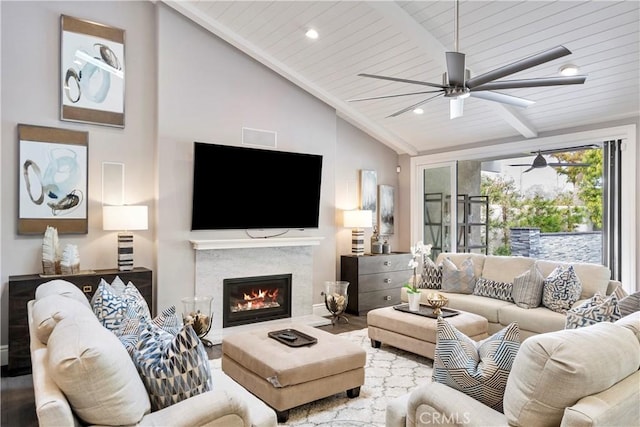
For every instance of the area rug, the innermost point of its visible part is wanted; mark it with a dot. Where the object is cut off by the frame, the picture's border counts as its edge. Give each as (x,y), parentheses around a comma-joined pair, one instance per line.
(389,372)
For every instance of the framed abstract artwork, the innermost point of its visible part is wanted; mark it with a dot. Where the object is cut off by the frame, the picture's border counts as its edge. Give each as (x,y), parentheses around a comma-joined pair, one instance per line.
(385,210)
(92,73)
(368,193)
(53,172)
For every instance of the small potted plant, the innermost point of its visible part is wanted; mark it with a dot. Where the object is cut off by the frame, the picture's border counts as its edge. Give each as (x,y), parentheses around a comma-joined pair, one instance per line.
(418,252)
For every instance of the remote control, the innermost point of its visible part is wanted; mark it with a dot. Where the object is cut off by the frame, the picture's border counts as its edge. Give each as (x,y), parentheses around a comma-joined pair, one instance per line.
(287,336)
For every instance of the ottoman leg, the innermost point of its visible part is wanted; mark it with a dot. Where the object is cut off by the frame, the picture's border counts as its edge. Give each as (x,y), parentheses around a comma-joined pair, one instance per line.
(375,343)
(283,416)
(353,392)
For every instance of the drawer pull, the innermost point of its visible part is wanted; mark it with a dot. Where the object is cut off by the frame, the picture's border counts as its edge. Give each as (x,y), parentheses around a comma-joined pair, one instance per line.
(87,289)
(386,263)
(387,298)
(387,280)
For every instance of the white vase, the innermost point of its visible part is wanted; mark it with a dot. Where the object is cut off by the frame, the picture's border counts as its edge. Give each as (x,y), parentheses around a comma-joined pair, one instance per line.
(414,301)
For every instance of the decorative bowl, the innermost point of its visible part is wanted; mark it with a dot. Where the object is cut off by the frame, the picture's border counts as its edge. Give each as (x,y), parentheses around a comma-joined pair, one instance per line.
(437,301)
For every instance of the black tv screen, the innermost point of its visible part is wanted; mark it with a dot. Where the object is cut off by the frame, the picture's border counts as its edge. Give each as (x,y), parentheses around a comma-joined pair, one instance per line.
(249,188)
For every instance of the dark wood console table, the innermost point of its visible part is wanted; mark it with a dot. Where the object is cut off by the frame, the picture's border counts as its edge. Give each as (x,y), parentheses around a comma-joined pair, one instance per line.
(22,289)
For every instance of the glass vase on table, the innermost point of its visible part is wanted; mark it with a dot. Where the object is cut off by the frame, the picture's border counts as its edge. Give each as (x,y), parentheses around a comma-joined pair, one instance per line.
(197,312)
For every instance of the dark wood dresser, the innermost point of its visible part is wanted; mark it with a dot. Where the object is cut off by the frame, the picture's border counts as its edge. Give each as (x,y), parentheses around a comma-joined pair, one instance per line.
(374,280)
(22,289)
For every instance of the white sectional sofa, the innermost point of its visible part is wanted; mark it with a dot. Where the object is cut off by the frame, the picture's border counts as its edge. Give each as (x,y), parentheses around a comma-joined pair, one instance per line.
(594,278)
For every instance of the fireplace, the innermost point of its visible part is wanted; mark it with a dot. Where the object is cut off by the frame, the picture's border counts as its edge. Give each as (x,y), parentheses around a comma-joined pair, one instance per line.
(256,299)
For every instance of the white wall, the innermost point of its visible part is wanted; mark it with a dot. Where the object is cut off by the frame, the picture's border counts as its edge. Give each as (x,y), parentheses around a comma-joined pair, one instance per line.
(30,95)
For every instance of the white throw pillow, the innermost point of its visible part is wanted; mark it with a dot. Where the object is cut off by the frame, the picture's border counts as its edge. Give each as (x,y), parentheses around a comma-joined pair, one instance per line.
(47,312)
(527,288)
(64,288)
(96,374)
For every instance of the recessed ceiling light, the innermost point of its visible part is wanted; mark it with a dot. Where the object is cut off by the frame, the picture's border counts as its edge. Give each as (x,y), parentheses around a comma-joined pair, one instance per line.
(311,33)
(418,111)
(568,70)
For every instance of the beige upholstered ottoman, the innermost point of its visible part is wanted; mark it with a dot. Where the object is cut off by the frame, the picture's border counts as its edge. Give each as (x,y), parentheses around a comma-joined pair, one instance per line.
(415,333)
(285,377)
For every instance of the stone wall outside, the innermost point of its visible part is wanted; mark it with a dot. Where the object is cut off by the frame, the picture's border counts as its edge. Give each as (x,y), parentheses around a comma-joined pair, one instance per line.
(568,247)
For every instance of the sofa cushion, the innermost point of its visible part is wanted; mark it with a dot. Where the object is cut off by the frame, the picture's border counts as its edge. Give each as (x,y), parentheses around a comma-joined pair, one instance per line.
(96,374)
(493,289)
(505,268)
(478,369)
(431,275)
(538,320)
(172,368)
(593,277)
(458,279)
(561,289)
(64,288)
(629,304)
(594,310)
(553,371)
(110,302)
(485,307)
(50,310)
(631,322)
(527,288)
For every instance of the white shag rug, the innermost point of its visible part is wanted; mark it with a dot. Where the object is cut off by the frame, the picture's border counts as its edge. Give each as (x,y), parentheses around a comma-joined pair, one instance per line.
(389,372)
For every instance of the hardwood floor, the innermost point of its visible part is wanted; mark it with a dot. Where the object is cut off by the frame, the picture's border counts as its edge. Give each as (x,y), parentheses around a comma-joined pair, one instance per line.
(18,403)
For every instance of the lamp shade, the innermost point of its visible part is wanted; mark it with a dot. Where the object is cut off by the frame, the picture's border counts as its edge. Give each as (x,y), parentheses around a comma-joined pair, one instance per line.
(125,217)
(358,219)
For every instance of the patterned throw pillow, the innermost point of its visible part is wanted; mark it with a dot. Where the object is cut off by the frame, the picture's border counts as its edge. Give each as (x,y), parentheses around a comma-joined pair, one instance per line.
(173,369)
(132,326)
(110,302)
(458,280)
(478,369)
(493,289)
(595,310)
(431,274)
(561,289)
(629,304)
(527,288)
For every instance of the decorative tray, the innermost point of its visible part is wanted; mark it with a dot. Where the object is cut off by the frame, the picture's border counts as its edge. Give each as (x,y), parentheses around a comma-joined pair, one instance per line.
(292,337)
(427,311)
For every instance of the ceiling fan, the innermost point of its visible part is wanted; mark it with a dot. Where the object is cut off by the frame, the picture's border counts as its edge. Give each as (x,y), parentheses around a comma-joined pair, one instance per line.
(458,85)
(540,162)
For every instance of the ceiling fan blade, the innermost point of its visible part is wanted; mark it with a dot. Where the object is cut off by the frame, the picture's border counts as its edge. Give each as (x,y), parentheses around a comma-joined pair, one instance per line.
(521,164)
(395,79)
(522,64)
(394,96)
(545,81)
(456,106)
(557,165)
(411,107)
(505,99)
(528,170)
(455,68)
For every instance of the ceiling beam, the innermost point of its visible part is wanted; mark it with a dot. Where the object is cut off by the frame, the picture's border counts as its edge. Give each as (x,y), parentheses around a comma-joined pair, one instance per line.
(436,50)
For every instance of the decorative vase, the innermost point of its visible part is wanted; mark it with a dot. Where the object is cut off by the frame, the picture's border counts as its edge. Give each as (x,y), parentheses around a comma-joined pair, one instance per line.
(197,313)
(414,301)
(336,299)
(437,301)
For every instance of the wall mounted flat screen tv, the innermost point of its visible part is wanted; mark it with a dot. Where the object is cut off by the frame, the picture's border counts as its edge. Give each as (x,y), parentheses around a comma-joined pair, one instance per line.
(250,188)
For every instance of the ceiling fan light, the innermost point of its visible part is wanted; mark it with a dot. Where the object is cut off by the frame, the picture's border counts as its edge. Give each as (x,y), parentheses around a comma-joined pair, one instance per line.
(568,70)
(464,95)
(312,34)
(418,111)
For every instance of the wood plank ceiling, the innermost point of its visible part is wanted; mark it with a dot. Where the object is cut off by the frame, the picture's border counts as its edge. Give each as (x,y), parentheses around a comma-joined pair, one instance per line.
(409,40)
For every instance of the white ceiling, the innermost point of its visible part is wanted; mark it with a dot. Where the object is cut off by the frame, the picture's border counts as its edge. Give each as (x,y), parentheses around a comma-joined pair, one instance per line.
(408,39)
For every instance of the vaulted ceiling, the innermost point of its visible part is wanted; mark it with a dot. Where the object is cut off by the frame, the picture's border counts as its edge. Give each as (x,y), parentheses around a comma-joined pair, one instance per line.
(409,39)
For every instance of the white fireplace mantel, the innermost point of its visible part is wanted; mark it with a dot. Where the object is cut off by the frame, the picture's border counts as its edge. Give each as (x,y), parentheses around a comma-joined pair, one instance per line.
(272,242)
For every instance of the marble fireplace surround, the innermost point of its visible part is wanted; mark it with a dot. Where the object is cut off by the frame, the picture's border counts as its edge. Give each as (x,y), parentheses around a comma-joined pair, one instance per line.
(217,260)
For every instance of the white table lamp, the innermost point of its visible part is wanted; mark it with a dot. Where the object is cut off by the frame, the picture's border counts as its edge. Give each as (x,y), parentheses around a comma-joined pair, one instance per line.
(124,219)
(358,220)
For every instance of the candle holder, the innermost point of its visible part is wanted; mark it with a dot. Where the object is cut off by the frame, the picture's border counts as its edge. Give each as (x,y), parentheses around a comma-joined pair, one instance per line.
(336,299)
(197,313)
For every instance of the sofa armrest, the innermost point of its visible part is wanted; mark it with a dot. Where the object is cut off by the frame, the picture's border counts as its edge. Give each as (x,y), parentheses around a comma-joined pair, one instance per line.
(615,406)
(434,404)
(213,408)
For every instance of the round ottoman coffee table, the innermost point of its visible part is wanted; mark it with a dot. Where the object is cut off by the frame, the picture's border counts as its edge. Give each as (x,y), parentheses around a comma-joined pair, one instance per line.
(417,333)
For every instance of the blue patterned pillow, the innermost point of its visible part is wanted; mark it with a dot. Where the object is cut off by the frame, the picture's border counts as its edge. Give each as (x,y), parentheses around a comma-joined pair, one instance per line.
(493,289)
(110,302)
(431,274)
(132,325)
(172,369)
(458,280)
(596,309)
(561,289)
(478,369)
